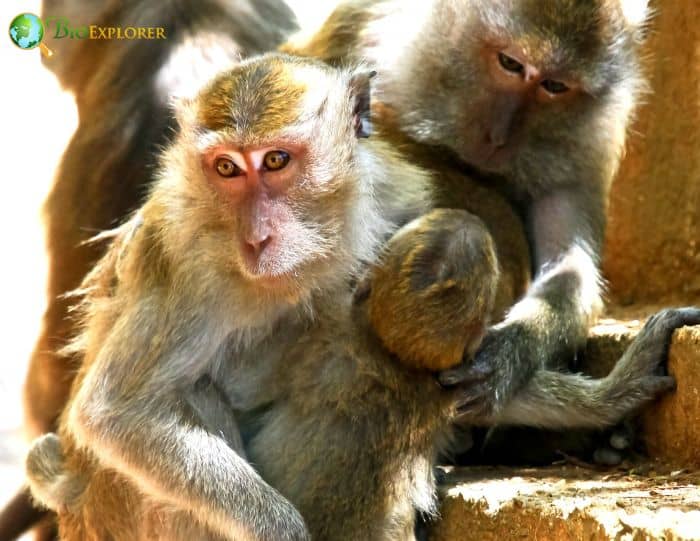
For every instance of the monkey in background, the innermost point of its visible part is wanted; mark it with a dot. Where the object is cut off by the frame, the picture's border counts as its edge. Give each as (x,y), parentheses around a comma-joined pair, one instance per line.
(265,205)
(520,108)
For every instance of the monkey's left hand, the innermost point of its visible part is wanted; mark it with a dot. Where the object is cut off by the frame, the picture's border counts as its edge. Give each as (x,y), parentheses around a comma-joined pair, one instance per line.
(505,360)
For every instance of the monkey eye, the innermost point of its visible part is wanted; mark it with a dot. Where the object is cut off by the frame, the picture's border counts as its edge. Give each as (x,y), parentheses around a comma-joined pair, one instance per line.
(226,167)
(276,160)
(509,63)
(554,87)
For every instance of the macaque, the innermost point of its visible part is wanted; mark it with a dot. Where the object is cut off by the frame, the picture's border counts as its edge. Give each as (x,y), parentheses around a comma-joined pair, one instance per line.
(520,108)
(265,206)
(233,385)
(122,89)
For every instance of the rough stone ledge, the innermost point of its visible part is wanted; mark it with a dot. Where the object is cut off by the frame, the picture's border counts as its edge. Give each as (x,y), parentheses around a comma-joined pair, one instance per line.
(569,503)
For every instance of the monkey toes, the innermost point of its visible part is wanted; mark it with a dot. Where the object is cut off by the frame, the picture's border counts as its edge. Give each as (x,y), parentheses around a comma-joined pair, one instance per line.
(431,297)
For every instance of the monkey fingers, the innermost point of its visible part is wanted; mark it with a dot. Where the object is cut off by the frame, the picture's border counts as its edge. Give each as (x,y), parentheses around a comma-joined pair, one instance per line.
(467,372)
(664,324)
(643,366)
(471,405)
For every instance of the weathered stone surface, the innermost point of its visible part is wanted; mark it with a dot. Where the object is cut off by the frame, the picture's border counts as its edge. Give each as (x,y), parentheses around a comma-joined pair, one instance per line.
(653,241)
(672,425)
(568,503)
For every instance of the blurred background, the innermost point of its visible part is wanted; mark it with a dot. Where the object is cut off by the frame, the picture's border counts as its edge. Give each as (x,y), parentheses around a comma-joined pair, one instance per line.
(38,119)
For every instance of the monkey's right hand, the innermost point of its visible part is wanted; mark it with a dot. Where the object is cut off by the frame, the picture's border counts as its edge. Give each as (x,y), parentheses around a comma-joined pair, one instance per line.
(51,483)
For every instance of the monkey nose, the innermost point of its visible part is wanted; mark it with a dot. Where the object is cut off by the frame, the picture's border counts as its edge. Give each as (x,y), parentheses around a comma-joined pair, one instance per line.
(256,245)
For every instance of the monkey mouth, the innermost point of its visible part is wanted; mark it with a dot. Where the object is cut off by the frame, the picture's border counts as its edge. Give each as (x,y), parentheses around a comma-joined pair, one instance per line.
(260,272)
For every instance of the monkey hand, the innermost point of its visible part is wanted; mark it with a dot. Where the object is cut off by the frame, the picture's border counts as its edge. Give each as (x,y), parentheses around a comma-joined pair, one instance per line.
(504,361)
(641,374)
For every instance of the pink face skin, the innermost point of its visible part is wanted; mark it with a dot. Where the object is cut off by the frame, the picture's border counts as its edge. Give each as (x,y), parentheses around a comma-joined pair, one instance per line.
(256,183)
(518,85)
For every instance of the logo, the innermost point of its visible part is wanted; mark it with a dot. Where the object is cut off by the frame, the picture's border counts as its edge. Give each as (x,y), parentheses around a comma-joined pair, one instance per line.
(27,31)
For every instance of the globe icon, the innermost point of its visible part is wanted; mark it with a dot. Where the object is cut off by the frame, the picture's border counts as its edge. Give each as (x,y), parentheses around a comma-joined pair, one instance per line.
(26,30)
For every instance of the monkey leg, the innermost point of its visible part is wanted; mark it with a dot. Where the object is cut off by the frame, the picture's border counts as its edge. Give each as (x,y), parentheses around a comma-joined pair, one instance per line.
(432,296)
(19,515)
(94,503)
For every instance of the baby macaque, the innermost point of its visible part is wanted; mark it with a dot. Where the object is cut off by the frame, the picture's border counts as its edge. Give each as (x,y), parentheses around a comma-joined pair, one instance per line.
(358,419)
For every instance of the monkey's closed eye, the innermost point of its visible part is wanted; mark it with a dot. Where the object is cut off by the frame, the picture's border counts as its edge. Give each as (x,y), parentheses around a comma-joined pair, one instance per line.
(227,168)
(276,159)
(554,87)
(509,63)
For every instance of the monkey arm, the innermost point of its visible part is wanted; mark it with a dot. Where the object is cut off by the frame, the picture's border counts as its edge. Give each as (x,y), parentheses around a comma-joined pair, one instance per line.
(545,328)
(556,400)
(566,230)
(140,422)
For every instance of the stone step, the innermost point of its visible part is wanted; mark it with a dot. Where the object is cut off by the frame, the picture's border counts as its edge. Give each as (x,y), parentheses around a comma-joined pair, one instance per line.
(671,426)
(569,503)
(657,500)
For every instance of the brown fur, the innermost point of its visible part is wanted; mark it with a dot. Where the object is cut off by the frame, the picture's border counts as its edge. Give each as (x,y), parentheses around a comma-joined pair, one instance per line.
(108,164)
(388,418)
(433,289)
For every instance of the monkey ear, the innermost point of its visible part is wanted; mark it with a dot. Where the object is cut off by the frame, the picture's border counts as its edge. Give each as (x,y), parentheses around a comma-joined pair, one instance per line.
(360,91)
(635,12)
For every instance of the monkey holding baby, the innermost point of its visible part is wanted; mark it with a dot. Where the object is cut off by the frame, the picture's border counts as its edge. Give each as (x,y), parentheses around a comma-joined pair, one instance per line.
(221,331)
(501,109)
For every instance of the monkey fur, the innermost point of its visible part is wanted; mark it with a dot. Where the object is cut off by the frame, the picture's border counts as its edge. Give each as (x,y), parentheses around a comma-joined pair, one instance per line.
(543,202)
(219,273)
(361,436)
